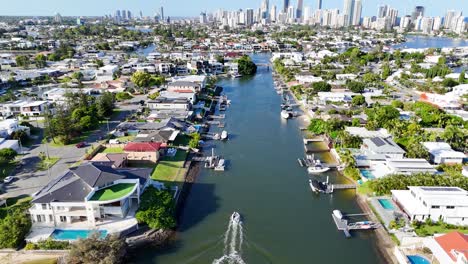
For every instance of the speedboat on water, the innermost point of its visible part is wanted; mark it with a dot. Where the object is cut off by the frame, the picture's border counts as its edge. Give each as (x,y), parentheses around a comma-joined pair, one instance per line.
(224,135)
(317,186)
(235,217)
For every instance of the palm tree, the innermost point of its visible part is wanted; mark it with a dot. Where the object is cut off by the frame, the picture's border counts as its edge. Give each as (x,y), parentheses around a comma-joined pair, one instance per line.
(347,158)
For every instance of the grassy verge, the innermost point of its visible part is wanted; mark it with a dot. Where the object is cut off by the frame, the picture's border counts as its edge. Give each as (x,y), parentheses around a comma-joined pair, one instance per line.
(83,137)
(365,189)
(47,163)
(170,169)
(113,150)
(21,202)
(429,230)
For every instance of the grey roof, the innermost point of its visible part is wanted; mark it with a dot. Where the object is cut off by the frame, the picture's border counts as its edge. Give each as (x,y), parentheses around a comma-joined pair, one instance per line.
(97,174)
(183,84)
(383,145)
(75,184)
(157,136)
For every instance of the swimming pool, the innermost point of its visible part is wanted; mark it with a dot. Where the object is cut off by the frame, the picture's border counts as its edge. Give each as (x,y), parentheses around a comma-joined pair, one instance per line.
(415,259)
(386,204)
(74,234)
(367,174)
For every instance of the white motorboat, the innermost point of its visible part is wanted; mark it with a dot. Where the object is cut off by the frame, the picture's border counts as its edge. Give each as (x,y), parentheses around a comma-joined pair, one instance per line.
(236,217)
(220,165)
(285,114)
(237,75)
(224,135)
(216,136)
(317,169)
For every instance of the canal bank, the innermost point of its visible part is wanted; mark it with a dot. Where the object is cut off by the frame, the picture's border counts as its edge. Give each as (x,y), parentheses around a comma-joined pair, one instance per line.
(283,221)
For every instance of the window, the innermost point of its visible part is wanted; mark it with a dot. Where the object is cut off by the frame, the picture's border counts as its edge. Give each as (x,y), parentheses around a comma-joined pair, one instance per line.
(424,203)
(435,207)
(38,217)
(63,218)
(51,218)
(44,206)
(450,207)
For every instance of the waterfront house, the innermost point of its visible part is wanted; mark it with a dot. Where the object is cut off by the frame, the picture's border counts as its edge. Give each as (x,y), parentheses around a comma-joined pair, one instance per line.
(143,152)
(442,153)
(409,166)
(183,86)
(163,103)
(450,248)
(87,195)
(363,132)
(325,97)
(450,204)
(12,144)
(383,146)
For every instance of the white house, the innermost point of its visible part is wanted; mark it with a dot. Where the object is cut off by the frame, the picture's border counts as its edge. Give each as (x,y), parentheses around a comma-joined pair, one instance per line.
(13,144)
(8,126)
(88,194)
(383,146)
(307,78)
(442,153)
(163,103)
(363,132)
(106,72)
(192,97)
(409,166)
(324,97)
(447,203)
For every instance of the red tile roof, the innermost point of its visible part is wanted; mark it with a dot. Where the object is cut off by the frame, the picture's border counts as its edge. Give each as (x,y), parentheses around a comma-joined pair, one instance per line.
(454,241)
(143,146)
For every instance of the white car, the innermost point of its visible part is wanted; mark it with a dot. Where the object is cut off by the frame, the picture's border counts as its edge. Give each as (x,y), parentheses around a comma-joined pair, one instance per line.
(8,179)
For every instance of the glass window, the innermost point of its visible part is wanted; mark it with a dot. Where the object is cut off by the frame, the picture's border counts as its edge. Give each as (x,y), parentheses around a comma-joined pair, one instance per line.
(63,218)
(44,206)
(435,207)
(450,207)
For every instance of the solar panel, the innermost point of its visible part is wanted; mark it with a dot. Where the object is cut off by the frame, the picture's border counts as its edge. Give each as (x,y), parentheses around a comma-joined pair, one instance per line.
(378,142)
(444,189)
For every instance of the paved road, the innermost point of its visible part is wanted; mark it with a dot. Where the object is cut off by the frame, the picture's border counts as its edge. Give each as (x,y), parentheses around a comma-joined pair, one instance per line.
(30,181)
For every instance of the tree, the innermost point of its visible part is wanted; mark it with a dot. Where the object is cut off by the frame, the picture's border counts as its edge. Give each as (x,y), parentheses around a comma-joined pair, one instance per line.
(7,154)
(22,61)
(195,140)
(317,126)
(370,77)
(99,62)
(156,209)
(105,105)
(78,76)
(462,78)
(455,137)
(385,71)
(321,87)
(13,228)
(40,60)
(397,104)
(347,158)
(110,250)
(449,82)
(356,87)
(246,66)
(141,79)
(358,100)
(20,135)
(153,96)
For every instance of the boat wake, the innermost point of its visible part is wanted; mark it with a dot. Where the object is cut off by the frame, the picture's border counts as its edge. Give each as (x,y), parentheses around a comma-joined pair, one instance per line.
(233,240)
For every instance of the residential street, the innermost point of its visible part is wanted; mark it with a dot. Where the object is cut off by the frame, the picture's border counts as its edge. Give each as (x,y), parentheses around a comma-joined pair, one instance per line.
(29,181)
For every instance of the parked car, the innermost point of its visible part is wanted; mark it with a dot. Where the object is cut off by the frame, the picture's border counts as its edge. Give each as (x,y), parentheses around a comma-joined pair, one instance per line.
(8,179)
(81,145)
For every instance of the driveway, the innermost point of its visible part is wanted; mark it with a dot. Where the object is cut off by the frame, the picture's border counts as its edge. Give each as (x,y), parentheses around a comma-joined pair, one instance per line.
(29,181)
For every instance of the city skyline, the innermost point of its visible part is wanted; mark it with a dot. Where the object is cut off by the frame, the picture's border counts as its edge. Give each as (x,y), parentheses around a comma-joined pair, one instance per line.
(193,8)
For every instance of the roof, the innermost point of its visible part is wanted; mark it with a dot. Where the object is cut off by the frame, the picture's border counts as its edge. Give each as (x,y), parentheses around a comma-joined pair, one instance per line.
(142,146)
(442,149)
(75,184)
(453,241)
(182,84)
(383,145)
(116,159)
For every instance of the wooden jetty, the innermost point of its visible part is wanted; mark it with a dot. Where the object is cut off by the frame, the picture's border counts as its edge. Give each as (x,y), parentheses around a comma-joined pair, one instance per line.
(343,186)
(217,116)
(342,224)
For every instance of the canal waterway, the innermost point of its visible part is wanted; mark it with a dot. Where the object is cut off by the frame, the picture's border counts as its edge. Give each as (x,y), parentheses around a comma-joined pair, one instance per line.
(420,42)
(282,220)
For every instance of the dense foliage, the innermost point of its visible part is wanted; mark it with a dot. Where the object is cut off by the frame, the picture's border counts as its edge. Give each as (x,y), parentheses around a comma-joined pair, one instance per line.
(156,209)
(14,225)
(48,244)
(384,185)
(246,66)
(110,250)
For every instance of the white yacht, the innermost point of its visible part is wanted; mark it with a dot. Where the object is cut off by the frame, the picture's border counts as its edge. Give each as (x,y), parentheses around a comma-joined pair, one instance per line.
(224,135)
(318,168)
(285,114)
(220,166)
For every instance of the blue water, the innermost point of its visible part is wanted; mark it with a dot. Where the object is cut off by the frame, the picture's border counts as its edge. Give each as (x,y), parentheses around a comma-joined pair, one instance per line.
(386,204)
(415,259)
(367,174)
(63,234)
(419,42)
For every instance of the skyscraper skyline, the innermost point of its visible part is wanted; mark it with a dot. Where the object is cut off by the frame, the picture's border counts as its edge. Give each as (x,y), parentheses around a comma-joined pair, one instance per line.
(299,10)
(319,4)
(285,6)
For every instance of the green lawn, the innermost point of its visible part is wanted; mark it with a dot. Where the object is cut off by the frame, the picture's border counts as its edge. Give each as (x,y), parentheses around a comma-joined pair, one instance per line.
(427,230)
(21,202)
(6,169)
(170,169)
(83,137)
(42,261)
(113,150)
(365,189)
(47,163)
(113,192)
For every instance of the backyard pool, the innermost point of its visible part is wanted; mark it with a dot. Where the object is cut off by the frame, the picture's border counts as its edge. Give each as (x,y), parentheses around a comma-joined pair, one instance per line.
(367,174)
(63,234)
(415,259)
(386,204)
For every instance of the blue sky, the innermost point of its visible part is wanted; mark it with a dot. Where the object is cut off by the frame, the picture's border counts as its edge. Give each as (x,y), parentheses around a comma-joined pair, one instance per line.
(193,7)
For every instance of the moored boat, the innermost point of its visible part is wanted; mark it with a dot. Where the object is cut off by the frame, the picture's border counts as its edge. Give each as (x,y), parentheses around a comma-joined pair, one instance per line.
(285,114)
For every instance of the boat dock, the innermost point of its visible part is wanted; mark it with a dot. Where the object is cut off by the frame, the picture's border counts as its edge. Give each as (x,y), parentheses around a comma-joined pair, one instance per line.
(342,224)
(222,116)
(343,186)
